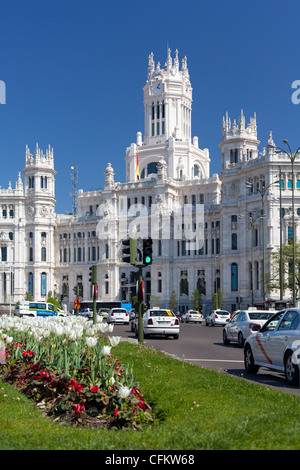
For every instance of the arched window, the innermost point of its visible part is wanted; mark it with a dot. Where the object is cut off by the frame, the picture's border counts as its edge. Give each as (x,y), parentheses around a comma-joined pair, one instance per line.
(196,171)
(152,168)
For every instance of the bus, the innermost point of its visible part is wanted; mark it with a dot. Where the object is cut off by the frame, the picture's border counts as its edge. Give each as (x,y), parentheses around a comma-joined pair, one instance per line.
(37,309)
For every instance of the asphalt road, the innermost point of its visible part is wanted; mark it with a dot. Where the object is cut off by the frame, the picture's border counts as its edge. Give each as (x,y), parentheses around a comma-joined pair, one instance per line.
(203,346)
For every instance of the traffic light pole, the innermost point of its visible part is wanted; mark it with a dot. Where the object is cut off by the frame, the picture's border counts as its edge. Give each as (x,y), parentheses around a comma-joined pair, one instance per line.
(140,304)
(94,305)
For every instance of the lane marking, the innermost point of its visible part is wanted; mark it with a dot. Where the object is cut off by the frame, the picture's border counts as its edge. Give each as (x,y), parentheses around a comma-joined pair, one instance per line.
(213,360)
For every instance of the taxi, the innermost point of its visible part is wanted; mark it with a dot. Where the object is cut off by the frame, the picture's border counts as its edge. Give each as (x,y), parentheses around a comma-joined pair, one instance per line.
(276,345)
(242,322)
(157,321)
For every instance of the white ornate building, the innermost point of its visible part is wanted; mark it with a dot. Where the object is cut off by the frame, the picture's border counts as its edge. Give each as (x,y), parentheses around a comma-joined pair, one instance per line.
(165,170)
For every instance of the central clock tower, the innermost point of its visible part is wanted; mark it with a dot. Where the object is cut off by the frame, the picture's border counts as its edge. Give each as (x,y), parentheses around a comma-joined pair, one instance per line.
(167,101)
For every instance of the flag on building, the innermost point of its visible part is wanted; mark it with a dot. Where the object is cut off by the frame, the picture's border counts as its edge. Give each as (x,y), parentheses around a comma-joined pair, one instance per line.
(137,166)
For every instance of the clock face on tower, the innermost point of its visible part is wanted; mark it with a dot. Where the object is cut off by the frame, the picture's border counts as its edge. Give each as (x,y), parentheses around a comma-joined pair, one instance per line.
(158,87)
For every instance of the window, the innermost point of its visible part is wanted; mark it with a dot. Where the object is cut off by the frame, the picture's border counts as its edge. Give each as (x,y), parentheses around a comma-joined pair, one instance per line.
(290,184)
(234,241)
(43,254)
(234,277)
(290,235)
(31,254)
(4,253)
(30,283)
(43,284)
(290,321)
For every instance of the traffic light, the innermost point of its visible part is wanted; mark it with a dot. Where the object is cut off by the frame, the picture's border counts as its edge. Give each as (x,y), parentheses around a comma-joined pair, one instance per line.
(93,274)
(126,251)
(129,251)
(147,251)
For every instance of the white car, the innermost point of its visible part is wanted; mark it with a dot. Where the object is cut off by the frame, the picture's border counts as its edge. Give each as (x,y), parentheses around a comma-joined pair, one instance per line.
(276,345)
(86,312)
(118,315)
(192,316)
(218,317)
(161,322)
(241,324)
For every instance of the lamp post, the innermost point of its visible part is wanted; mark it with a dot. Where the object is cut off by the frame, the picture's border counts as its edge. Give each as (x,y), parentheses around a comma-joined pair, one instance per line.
(252,220)
(292,156)
(263,191)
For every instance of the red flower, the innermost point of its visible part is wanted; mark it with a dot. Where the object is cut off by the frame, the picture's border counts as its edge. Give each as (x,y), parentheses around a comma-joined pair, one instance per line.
(77,387)
(116,411)
(27,353)
(94,389)
(79,408)
(142,405)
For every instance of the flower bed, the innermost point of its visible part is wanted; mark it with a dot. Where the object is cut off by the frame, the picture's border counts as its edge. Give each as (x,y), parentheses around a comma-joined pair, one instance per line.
(65,364)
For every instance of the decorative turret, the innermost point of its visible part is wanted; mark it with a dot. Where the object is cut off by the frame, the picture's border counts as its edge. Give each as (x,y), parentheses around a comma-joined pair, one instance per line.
(239,142)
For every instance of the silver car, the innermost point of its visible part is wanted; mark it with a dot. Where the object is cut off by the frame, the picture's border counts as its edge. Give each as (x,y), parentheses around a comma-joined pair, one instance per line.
(218,317)
(276,345)
(241,324)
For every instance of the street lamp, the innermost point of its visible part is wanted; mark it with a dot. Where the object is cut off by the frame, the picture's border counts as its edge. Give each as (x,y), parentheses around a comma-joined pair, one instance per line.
(263,191)
(292,156)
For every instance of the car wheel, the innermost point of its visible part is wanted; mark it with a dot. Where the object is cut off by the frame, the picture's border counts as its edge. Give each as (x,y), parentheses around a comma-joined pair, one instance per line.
(250,367)
(291,369)
(225,339)
(175,336)
(241,340)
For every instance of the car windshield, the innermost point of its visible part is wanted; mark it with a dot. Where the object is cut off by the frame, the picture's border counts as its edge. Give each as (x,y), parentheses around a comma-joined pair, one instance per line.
(260,315)
(161,313)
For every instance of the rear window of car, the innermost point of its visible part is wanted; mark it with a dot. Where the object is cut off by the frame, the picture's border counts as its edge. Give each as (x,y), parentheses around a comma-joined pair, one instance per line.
(161,313)
(260,315)
(119,310)
(194,312)
(222,312)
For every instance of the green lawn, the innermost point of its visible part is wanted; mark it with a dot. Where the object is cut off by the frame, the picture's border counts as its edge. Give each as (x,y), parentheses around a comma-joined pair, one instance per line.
(196,409)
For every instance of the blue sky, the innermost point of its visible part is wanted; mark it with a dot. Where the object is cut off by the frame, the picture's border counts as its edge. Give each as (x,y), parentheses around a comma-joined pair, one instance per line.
(74,74)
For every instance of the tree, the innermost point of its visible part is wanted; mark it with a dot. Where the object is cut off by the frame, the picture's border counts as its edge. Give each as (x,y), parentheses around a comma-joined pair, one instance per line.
(173,300)
(273,279)
(196,299)
(217,300)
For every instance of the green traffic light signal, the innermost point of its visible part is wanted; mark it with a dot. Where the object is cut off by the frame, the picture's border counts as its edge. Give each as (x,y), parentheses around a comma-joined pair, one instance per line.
(147,251)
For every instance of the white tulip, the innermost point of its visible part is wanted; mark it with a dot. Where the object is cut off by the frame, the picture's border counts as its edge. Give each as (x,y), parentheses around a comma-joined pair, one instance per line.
(105,350)
(124,392)
(114,340)
(91,341)
(111,381)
